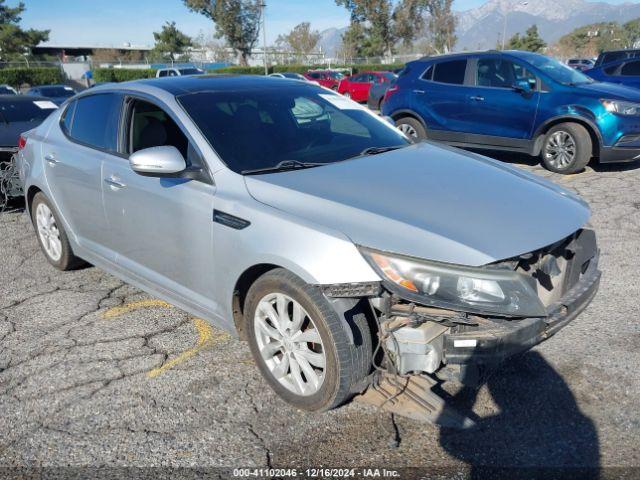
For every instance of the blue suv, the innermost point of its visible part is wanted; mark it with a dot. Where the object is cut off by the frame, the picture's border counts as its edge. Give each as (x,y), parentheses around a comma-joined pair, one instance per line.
(625,72)
(517,101)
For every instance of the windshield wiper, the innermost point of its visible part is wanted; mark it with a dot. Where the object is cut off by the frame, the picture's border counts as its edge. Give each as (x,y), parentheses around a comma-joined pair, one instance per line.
(282,166)
(377,150)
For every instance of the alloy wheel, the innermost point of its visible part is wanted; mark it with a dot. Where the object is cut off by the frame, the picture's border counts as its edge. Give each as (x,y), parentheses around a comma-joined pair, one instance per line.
(408,130)
(290,344)
(560,150)
(48,232)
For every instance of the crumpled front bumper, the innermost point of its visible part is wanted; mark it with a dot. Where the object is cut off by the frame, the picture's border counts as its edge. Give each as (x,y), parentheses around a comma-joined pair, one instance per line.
(492,342)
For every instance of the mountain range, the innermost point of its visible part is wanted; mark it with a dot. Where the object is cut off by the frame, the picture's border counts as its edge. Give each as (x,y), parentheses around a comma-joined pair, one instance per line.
(480,28)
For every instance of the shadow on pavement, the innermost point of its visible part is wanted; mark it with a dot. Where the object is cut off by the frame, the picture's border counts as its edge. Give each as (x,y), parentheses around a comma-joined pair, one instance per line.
(539,431)
(523,159)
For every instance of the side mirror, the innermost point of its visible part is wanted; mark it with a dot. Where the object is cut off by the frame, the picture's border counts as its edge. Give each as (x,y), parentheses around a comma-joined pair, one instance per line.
(158,161)
(523,86)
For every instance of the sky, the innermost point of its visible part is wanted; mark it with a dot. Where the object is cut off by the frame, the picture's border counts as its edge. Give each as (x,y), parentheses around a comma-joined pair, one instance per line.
(115,22)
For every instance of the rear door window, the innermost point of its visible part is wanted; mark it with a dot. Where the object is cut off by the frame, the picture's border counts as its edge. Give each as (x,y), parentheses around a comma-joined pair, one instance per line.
(631,68)
(452,72)
(95,121)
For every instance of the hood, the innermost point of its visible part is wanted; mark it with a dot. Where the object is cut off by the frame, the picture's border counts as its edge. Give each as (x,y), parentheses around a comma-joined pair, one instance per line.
(611,90)
(428,201)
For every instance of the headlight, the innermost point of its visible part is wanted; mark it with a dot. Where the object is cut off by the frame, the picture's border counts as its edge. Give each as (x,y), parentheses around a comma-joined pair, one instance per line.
(620,107)
(467,289)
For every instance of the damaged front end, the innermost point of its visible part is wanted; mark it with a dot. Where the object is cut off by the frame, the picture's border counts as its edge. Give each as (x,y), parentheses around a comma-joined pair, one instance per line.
(443,322)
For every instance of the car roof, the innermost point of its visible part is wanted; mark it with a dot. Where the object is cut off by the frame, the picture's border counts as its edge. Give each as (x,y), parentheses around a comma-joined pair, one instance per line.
(46,86)
(12,98)
(508,53)
(201,83)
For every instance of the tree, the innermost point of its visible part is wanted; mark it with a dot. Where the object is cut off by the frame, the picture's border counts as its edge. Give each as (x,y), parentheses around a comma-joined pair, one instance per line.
(380,25)
(371,23)
(301,40)
(237,21)
(631,33)
(592,39)
(442,25)
(14,41)
(531,41)
(171,42)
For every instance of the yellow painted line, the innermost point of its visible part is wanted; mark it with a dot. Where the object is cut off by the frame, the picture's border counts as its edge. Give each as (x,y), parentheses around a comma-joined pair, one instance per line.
(206,338)
(206,335)
(130,307)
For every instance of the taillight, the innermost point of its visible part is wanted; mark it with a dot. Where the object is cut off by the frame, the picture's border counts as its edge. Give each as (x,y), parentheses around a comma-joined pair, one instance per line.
(390,91)
(22,142)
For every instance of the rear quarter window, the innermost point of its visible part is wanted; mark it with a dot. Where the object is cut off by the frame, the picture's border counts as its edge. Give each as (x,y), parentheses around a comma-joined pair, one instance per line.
(452,72)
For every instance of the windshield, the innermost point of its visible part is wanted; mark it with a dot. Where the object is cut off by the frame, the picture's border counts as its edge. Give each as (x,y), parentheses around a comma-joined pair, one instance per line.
(26,111)
(56,92)
(389,76)
(335,75)
(257,129)
(559,72)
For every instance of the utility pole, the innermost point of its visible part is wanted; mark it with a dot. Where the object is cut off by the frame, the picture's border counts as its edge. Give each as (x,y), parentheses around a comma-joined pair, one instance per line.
(263,7)
(504,28)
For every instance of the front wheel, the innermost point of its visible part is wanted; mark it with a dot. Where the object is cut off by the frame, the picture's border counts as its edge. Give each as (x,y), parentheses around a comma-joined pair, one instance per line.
(300,345)
(567,148)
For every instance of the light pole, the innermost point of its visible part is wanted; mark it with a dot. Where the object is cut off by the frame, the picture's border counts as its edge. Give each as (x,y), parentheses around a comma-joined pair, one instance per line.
(263,8)
(504,28)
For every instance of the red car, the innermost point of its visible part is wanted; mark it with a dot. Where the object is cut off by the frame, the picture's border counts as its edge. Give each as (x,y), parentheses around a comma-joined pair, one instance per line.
(326,78)
(357,86)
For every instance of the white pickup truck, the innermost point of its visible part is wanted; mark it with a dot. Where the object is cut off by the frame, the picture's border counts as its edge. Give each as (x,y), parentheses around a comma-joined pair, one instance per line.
(178,72)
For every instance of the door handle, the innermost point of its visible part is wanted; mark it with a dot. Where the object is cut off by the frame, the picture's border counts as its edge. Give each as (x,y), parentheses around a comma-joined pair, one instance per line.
(51,159)
(477,98)
(420,92)
(114,183)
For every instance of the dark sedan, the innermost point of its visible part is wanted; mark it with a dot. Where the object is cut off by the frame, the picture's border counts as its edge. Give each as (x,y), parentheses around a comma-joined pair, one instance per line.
(379,88)
(19,113)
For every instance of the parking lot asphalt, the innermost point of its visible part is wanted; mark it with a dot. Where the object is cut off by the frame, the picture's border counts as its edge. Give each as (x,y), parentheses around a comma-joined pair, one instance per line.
(96,372)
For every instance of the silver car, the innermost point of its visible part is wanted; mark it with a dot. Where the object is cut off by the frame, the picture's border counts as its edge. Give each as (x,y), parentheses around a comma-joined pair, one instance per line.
(303,223)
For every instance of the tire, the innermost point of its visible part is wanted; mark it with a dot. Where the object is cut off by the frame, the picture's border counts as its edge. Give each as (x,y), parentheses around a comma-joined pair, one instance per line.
(346,363)
(567,148)
(61,256)
(412,128)
(380,103)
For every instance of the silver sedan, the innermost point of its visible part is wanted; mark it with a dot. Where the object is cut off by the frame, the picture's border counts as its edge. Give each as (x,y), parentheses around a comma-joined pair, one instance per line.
(308,226)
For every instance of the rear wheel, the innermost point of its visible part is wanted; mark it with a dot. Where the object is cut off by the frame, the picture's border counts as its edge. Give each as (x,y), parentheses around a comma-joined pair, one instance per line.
(412,128)
(51,235)
(300,345)
(567,148)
